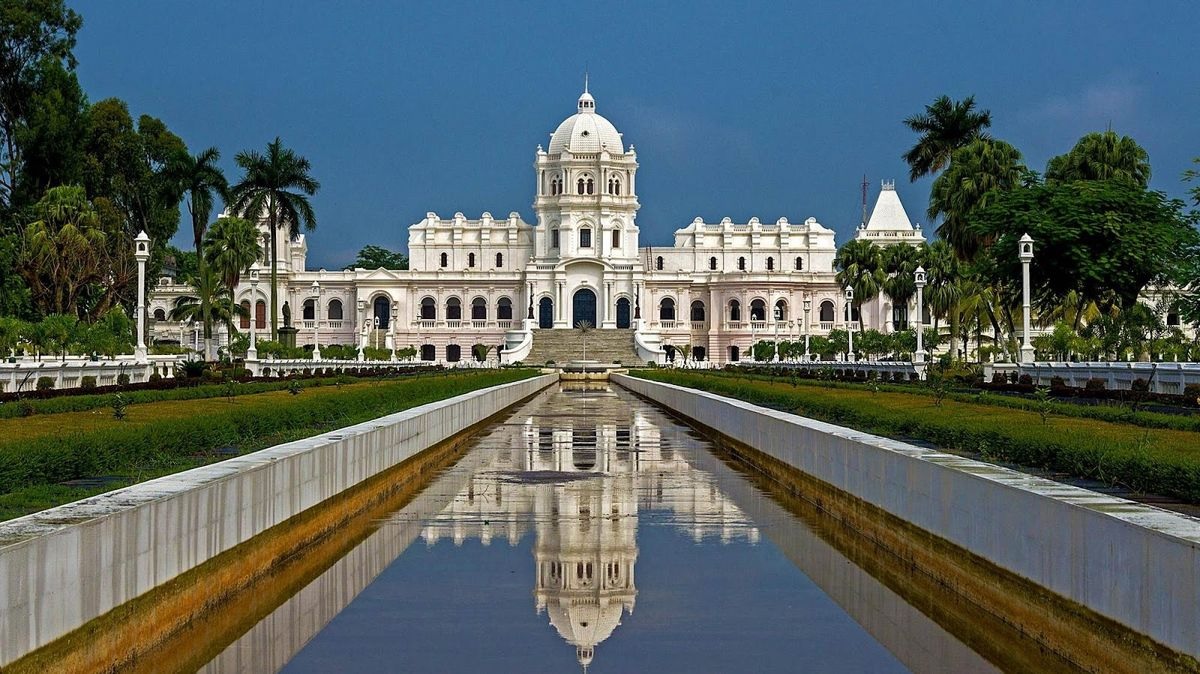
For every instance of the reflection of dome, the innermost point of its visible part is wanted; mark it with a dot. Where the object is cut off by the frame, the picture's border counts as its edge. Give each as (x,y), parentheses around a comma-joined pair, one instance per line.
(586,131)
(584,622)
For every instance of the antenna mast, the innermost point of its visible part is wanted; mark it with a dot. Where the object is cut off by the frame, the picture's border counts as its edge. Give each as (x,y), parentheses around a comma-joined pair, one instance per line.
(864,199)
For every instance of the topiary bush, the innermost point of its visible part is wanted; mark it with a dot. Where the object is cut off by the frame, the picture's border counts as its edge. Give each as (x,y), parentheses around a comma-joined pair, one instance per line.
(87,382)
(1140,385)
(1094,384)
(123,378)
(45,383)
(1025,380)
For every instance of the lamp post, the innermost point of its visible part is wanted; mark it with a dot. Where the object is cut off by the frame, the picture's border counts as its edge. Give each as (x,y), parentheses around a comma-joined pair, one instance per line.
(252,352)
(141,251)
(775,347)
(1025,252)
(919,356)
(807,308)
(850,324)
(316,291)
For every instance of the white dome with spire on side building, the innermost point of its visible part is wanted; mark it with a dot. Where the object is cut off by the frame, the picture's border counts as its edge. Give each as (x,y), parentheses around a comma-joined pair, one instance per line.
(586,131)
(889,222)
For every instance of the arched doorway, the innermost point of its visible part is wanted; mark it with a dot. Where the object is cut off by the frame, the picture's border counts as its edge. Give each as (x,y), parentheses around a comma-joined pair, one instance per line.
(583,307)
(623,313)
(383,311)
(545,313)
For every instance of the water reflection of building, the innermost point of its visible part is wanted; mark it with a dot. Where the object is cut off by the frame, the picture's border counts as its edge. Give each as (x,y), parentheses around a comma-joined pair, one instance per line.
(579,471)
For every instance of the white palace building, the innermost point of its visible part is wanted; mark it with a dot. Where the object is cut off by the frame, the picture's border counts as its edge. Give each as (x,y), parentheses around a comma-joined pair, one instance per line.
(519,287)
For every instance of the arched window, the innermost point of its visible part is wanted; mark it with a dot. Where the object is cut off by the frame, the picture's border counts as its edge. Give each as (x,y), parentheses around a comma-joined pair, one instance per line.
(504,309)
(735,310)
(428,309)
(445,261)
(770,264)
(579,186)
(670,350)
(735,354)
(666,309)
(697,310)
(479,309)
(591,186)
(799,263)
(610,185)
(260,314)
(758,310)
(244,322)
(741,264)
(712,263)
(616,238)
(658,263)
(554,238)
(698,353)
(499,260)
(428,353)
(471,260)
(334,311)
(310,310)
(453,309)
(781,310)
(617,186)
(585,238)
(160,315)
(827,311)
(453,353)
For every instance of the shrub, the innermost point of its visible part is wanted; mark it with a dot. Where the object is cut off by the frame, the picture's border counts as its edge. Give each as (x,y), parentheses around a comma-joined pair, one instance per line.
(118,404)
(87,382)
(999,378)
(123,379)
(154,377)
(1192,390)
(1025,380)
(1057,383)
(1094,384)
(45,383)
(1140,385)
(294,387)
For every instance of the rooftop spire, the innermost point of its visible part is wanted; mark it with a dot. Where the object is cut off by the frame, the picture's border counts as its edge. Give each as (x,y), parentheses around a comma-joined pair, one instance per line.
(586,102)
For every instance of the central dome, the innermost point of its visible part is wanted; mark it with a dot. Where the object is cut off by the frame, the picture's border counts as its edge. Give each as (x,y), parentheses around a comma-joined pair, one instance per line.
(586,131)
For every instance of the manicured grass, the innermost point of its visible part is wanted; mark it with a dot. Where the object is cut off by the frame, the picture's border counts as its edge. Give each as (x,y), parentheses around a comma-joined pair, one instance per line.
(39,452)
(1157,460)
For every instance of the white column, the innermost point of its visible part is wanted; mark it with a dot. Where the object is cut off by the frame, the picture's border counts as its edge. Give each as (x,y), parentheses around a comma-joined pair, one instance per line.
(919,356)
(141,251)
(1025,251)
(607,311)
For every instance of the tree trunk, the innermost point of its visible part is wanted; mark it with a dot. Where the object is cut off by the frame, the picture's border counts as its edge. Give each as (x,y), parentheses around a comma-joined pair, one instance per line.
(274,271)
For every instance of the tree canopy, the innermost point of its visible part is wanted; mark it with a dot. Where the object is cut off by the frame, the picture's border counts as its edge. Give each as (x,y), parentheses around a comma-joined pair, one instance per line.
(378,257)
(945,126)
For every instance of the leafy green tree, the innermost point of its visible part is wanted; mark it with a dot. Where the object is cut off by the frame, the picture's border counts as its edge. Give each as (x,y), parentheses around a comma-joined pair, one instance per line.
(32,33)
(859,265)
(200,179)
(943,277)
(52,136)
(211,305)
(978,172)
(62,251)
(231,246)
(945,126)
(58,331)
(184,263)
(111,335)
(900,265)
(12,331)
(378,257)
(277,184)
(1191,175)
(1102,156)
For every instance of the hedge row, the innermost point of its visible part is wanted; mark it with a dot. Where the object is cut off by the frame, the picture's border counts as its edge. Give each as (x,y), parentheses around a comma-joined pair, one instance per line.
(119,447)
(1163,461)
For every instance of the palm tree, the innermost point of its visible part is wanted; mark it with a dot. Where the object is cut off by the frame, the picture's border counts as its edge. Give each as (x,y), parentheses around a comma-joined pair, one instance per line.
(201,180)
(231,246)
(277,183)
(860,267)
(62,251)
(943,282)
(979,172)
(900,265)
(945,126)
(1102,156)
(212,304)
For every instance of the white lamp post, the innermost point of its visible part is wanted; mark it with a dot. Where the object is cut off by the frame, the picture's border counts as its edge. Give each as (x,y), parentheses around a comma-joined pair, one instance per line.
(919,356)
(775,355)
(807,308)
(316,291)
(850,324)
(141,251)
(252,352)
(1025,252)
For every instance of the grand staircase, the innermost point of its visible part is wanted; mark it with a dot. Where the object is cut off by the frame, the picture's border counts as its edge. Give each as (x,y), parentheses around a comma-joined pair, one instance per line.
(563,345)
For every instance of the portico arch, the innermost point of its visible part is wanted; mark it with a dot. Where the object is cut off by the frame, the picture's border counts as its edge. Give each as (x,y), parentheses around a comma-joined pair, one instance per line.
(583,306)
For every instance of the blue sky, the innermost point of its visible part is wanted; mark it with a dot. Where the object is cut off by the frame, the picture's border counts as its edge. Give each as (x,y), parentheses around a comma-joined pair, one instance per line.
(736,109)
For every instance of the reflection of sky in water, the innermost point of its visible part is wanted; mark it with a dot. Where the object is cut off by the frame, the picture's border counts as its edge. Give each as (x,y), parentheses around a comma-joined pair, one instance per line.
(586,510)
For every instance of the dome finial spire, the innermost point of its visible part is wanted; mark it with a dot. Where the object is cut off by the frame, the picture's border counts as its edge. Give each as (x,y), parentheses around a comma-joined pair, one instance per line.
(586,102)
(585,79)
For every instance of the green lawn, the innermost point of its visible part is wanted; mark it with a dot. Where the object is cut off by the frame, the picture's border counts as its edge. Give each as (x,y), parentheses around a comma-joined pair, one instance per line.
(1155,460)
(40,452)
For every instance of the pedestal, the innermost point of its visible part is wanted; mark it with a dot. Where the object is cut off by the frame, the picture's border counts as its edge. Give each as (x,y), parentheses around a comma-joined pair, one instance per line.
(287,336)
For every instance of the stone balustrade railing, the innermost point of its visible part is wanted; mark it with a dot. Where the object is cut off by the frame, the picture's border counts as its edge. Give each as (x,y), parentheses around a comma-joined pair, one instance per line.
(22,374)
(1169,378)
(281,367)
(886,369)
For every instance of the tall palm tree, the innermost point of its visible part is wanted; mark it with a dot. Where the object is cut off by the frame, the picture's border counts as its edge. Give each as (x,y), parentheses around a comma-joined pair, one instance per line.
(943,283)
(945,126)
(1102,156)
(860,267)
(212,304)
(230,247)
(978,172)
(900,265)
(201,180)
(277,184)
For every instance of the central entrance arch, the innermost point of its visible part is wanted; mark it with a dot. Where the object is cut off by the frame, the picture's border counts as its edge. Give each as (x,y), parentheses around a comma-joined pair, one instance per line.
(382,309)
(545,313)
(583,307)
(623,313)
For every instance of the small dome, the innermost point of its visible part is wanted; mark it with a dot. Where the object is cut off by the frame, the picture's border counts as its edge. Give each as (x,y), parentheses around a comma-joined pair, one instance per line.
(586,131)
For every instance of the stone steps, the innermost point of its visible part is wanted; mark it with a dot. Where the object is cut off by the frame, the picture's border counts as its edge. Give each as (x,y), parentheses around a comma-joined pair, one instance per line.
(563,345)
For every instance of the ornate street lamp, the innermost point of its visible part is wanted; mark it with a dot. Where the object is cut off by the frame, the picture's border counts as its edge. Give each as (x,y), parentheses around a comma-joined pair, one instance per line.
(255,270)
(919,277)
(807,308)
(850,324)
(316,291)
(1025,252)
(141,251)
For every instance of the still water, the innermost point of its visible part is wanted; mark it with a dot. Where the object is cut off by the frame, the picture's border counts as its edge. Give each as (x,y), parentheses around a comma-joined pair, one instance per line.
(589,530)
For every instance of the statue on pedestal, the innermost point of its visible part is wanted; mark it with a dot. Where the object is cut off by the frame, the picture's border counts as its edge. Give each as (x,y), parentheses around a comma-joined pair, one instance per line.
(287,315)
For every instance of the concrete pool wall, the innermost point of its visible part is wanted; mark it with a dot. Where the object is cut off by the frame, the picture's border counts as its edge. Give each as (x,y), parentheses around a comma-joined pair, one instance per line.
(1136,565)
(65,566)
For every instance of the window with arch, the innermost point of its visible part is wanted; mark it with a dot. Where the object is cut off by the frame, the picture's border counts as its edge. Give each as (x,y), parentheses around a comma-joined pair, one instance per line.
(260,314)
(616,238)
(851,313)
(445,260)
(770,264)
(579,185)
(658,263)
(428,309)
(666,309)
(712,263)
(735,310)
(310,310)
(591,186)
(554,238)
(781,310)
(453,309)
(479,309)
(585,237)
(499,260)
(617,186)
(471,260)
(160,315)
(758,310)
(741,264)
(799,263)
(504,309)
(453,353)
(697,311)
(334,311)
(428,353)
(245,317)
(826,312)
